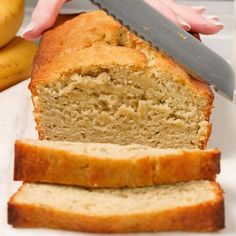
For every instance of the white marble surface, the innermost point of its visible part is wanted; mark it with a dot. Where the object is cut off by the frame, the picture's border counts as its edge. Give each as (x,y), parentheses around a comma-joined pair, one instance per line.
(16,122)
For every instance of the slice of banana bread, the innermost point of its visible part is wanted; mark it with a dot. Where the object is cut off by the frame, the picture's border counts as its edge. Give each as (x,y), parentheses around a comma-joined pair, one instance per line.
(192,206)
(110,165)
(94,81)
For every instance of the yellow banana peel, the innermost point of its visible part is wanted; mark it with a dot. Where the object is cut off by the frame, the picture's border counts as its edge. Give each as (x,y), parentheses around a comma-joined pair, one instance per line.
(11,17)
(16,60)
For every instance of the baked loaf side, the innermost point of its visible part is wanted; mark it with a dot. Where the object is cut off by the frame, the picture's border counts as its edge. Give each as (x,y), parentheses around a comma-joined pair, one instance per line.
(94,81)
(110,165)
(192,206)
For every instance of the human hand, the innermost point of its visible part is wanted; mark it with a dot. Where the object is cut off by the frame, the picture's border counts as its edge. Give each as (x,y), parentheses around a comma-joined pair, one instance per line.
(187,17)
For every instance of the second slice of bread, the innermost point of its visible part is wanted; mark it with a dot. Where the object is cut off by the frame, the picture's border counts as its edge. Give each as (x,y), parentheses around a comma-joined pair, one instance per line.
(110,165)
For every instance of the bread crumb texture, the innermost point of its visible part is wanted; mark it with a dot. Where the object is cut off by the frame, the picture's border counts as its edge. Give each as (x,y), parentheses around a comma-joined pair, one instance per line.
(118,201)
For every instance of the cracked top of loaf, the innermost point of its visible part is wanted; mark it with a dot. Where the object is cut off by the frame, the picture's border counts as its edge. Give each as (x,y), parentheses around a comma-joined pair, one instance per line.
(95,42)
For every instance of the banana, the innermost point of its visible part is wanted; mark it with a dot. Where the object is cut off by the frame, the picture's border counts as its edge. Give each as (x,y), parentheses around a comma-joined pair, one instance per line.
(11,17)
(16,60)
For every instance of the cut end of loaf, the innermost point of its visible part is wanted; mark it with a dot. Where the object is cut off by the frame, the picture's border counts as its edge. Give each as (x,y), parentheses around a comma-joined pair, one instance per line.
(139,108)
(104,84)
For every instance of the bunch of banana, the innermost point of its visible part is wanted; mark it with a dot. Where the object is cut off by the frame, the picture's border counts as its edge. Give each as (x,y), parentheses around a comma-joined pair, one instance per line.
(16,54)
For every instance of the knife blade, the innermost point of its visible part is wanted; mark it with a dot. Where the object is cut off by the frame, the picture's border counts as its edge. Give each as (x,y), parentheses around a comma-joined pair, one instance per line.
(198,59)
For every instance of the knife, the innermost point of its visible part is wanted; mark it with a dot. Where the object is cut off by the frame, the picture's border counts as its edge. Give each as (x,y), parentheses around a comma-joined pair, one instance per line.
(198,59)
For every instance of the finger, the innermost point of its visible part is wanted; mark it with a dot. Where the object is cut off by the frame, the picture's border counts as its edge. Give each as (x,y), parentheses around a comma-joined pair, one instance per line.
(43,17)
(172,4)
(169,13)
(199,9)
(207,26)
(213,17)
(198,22)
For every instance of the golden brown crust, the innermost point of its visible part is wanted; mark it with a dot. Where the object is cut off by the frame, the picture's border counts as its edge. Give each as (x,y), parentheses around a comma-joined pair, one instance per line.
(208,216)
(187,166)
(62,52)
(61,46)
(50,165)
